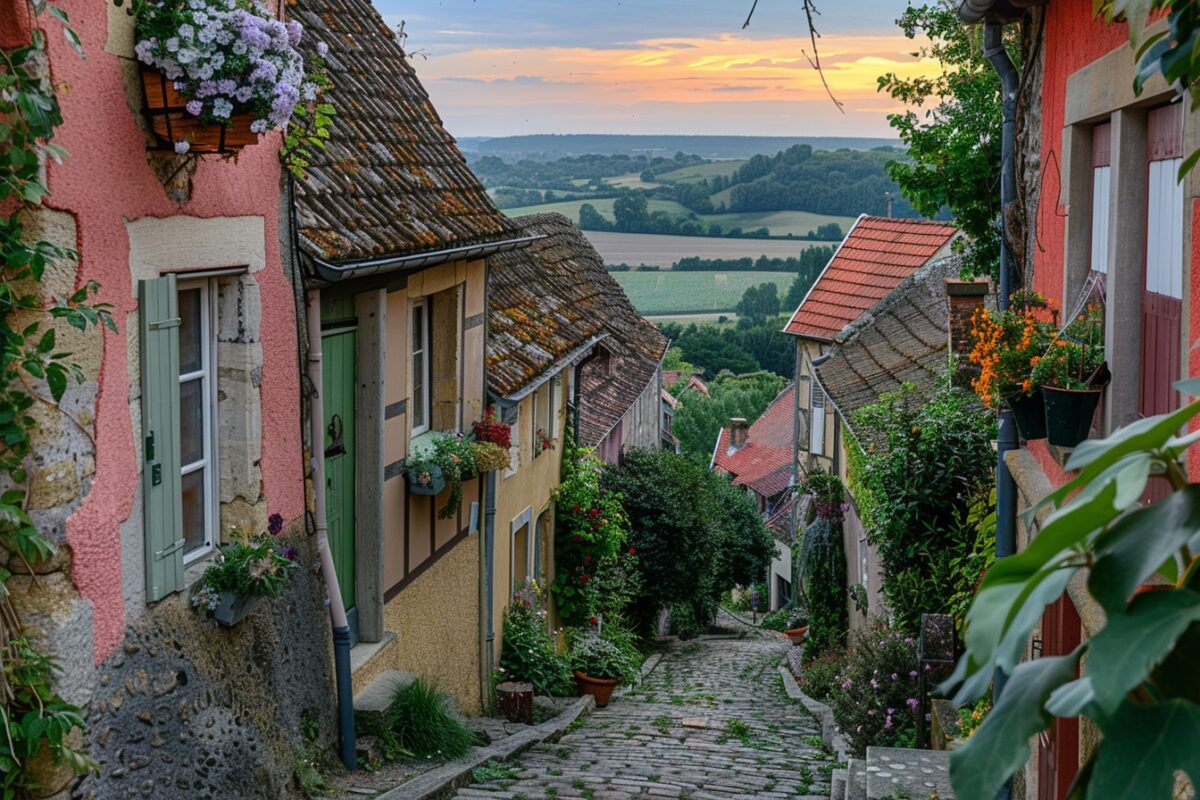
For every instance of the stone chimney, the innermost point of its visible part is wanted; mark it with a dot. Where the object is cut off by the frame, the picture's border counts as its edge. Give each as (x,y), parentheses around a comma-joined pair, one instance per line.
(964,297)
(738,429)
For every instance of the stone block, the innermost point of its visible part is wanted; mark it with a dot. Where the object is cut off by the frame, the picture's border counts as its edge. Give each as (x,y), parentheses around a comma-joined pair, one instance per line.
(54,484)
(893,771)
(379,694)
(62,622)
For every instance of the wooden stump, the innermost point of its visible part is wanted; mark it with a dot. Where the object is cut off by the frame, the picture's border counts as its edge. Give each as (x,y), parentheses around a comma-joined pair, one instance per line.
(516,701)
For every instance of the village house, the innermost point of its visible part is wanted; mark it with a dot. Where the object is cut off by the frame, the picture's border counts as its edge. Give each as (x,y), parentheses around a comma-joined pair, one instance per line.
(393,232)
(184,433)
(877,256)
(760,458)
(1105,219)
(545,319)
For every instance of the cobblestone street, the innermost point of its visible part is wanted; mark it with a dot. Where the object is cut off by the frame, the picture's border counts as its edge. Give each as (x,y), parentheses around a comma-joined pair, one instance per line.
(711,721)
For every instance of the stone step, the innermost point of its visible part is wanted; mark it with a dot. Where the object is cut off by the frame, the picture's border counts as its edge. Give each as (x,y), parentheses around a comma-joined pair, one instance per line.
(378,694)
(856,780)
(837,785)
(896,771)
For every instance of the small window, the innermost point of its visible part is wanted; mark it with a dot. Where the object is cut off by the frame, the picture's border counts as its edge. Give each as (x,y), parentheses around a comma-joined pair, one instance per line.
(541,546)
(197,407)
(521,571)
(816,442)
(420,367)
(512,415)
(1101,183)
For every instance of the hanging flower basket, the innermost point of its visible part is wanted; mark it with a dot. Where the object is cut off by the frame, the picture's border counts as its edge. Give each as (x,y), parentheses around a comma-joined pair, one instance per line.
(1069,414)
(425,479)
(166,113)
(490,457)
(1029,412)
(233,608)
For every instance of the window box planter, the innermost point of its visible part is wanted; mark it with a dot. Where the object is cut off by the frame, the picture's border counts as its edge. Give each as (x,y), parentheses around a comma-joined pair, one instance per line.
(599,688)
(1069,414)
(1030,415)
(167,116)
(426,480)
(233,608)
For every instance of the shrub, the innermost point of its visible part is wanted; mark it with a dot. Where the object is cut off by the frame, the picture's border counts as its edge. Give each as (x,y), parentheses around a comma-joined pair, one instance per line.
(915,517)
(874,697)
(418,724)
(820,675)
(685,623)
(785,619)
(600,658)
(529,652)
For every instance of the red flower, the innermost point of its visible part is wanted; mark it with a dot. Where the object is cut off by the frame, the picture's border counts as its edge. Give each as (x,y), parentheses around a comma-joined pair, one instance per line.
(575,508)
(576,538)
(632,551)
(584,579)
(595,512)
(587,559)
(594,620)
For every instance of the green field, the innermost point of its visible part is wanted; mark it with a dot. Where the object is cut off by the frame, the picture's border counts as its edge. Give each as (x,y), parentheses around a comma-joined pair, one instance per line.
(699,172)
(690,293)
(633,180)
(779,223)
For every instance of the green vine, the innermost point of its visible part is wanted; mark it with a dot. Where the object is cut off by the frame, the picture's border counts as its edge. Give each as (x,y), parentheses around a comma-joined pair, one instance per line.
(311,122)
(33,717)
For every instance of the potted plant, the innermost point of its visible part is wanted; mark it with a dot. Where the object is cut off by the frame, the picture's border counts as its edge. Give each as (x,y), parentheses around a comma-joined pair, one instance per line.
(489,456)
(244,572)
(599,665)
(424,476)
(797,626)
(1004,346)
(491,429)
(453,454)
(1071,376)
(217,74)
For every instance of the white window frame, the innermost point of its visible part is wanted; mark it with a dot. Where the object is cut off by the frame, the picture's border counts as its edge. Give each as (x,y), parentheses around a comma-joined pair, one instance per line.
(207,375)
(425,406)
(1101,182)
(816,438)
(523,520)
(514,448)
(1164,229)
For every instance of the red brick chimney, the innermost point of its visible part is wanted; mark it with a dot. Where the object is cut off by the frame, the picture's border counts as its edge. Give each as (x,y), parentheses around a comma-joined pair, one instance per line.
(738,428)
(964,298)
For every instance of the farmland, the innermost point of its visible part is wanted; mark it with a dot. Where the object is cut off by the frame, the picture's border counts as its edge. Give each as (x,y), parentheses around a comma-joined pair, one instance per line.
(687,293)
(663,251)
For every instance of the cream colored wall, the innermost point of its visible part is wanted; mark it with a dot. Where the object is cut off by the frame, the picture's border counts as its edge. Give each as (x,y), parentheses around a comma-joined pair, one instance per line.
(530,487)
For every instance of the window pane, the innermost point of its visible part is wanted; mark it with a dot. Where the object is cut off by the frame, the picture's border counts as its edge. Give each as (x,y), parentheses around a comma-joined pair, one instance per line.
(418,328)
(195,522)
(191,421)
(520,556)
(418,392)
(191,350)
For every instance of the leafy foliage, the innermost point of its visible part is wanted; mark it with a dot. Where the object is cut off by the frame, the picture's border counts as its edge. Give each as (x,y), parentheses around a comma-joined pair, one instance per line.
(917,519)
(529,652)
(874,696)
(248,566)
(700,418)
(759,302)
(820,675)
(590,531)
(823,573)
(418,724)
(1138,683)
(950,129)
(599,658)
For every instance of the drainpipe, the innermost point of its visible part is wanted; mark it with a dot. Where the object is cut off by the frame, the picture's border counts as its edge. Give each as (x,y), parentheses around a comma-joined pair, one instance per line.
(337,611)
(1006,490)
(489,552)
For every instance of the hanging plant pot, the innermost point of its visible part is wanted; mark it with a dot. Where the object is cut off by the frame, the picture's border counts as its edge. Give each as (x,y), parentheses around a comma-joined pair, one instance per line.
(1030,414)
(1069,414)
(425,480)
(166,112)
(599,688)
(233,608)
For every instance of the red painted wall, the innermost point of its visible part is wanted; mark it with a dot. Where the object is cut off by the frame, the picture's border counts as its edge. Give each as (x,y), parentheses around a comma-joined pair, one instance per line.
(1074,37)
(104,183)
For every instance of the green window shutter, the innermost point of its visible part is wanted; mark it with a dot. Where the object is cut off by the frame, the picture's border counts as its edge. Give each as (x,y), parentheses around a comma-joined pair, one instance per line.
(161,492)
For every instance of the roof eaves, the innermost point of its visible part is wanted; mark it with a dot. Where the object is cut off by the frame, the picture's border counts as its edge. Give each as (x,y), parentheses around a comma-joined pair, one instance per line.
(333,273)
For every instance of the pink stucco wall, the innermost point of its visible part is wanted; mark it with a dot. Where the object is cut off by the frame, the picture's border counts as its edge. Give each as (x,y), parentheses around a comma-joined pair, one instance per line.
(105,183)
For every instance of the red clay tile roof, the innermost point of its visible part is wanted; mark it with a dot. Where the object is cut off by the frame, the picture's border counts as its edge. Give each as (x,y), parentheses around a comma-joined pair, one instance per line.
(391,180)
(764,463)
(876,255)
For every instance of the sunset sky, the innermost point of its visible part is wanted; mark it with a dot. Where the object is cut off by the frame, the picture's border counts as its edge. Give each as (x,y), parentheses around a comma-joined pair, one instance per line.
(502,67)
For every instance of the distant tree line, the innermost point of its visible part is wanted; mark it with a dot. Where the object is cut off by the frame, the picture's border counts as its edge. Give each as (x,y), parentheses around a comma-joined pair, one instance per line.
(562,173)
(633,215)
(811,259)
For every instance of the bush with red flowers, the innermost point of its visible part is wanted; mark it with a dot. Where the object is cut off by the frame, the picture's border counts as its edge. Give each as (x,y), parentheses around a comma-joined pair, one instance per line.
(491,429)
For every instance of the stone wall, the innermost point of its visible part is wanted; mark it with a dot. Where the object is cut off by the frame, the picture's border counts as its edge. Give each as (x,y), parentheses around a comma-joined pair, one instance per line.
(168,719)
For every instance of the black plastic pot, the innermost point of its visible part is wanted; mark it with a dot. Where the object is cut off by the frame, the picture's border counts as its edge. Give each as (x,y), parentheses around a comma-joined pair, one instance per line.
(1030,414)
(433,487)
(1069,414)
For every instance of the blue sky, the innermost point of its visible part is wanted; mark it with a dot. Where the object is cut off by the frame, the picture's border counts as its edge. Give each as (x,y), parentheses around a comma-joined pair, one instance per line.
(499,67)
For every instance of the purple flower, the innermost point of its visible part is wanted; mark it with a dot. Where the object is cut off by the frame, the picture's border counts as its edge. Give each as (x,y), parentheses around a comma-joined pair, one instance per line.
(294,31)
(322,49)
(911,703)
(895,677)
(227,86)
(195,107)
(912,674)
(275,524)
(182,146)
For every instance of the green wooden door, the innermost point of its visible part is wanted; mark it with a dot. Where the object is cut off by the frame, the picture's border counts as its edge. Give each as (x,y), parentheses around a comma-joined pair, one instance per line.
(337,350)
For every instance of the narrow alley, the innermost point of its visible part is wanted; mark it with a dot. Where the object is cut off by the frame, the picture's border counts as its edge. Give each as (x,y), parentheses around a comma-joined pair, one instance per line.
(711,721)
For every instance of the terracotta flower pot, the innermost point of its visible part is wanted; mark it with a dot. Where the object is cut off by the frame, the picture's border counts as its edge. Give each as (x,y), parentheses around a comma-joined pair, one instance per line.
(599,688)
(1069,414)
(796,634)
(1030,415)
(167,115)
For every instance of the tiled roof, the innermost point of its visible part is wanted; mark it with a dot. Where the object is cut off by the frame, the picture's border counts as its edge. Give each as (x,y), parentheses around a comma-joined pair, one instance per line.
(902,340)
(588,301)
(764,463)
(876,255)
(539,308)
(780,521)
(391,180)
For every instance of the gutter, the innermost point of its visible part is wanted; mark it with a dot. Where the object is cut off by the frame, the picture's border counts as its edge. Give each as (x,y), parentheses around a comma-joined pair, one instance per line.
(329,272)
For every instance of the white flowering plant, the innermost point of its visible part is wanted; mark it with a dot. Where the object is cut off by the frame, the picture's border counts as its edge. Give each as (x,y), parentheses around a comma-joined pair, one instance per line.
(226,57)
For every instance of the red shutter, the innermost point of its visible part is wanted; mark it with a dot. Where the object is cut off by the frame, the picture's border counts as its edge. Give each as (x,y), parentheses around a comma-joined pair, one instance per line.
(1058,748)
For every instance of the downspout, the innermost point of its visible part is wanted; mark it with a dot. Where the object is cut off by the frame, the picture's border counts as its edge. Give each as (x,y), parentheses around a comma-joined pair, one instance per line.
(489,552)
(1006,490)
(337,611)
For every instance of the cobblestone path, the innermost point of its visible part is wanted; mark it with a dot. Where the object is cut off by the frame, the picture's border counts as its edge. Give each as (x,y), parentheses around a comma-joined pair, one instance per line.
(711,722)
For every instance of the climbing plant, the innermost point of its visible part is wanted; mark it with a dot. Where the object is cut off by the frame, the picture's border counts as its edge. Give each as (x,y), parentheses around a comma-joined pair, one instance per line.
(33,717)
(821,564)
